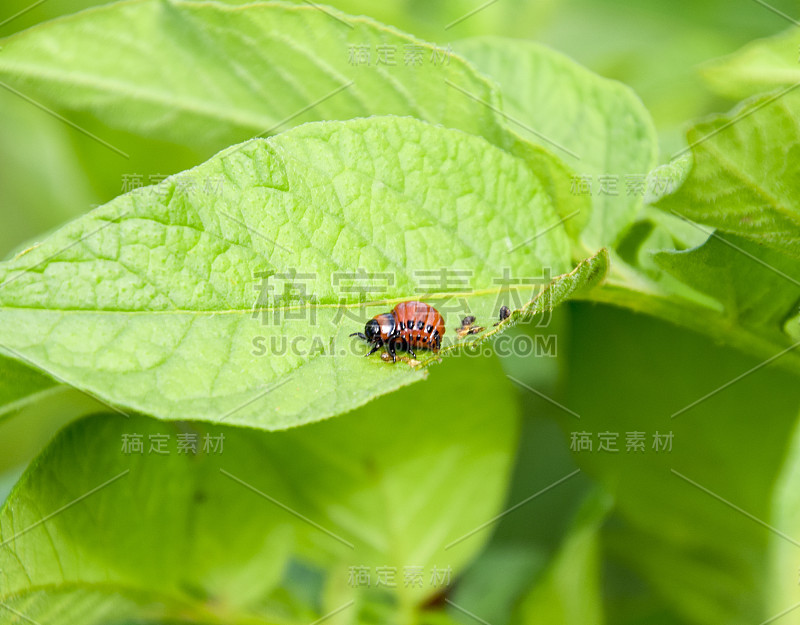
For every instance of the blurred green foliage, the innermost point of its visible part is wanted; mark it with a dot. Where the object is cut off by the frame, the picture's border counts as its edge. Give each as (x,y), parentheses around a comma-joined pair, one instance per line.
(653,47)
(627,530)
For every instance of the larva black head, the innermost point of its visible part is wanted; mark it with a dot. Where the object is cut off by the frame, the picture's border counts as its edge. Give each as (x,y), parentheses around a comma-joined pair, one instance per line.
(372,331)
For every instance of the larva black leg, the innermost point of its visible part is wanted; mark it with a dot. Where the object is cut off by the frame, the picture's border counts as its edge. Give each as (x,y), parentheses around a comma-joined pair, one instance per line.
(391,350)
(410,353)
(360,335)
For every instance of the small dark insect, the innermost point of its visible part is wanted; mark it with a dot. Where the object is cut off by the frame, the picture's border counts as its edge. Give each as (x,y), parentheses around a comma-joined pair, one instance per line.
(505,313)
(410,325)
(468,327)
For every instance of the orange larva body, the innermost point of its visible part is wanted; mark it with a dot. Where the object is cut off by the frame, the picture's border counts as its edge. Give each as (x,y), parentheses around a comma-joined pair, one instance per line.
(410,326)
(420,325)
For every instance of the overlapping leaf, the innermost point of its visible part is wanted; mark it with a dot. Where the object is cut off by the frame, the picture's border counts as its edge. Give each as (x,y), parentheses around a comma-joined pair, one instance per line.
(225,302)
(208,74)
(19,384)
(761,65)
(570,590)
(205,534)
(782,592)
(599,127)
(734,415)
(212,75)
(746,174)
(756,286)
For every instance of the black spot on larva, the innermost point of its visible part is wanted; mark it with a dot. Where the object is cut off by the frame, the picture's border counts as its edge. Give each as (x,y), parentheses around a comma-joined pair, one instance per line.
(396,331)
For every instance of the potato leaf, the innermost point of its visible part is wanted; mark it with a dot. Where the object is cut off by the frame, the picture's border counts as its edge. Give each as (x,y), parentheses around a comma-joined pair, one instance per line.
(756,285)
(761,65)
(211,74)
(229,292)
(206,534)
(599,127)
(746,174)
(20,385)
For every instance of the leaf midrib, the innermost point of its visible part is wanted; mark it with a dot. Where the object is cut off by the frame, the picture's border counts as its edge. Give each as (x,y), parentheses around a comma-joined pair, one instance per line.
(705,321)
(231,113)
(331,305)
(241,117)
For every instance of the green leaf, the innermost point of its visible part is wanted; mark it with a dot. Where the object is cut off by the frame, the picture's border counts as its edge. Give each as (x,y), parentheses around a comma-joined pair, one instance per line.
(735,290)
(288,77)
(570,591)
(784,590)
(739,179)
(754,284)
(433,21)
(212,74)
(746,174)
(705,319)
(20,385)
(580,281)
(189,535)
(25,431)
(792,327)
(728,437)
(761,65)
(526,541)
(599,127)
(166,310)
(41,184)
